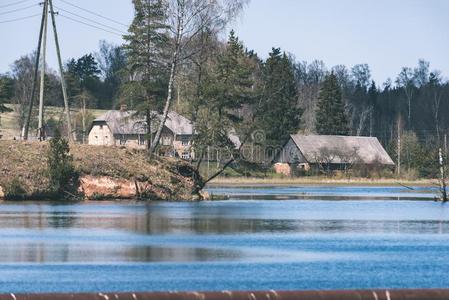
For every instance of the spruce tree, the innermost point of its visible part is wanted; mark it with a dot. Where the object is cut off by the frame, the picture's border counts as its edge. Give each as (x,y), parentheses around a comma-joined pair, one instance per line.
(279,114)
(233,80)
(331,118)
(61,172)
(229,86)
(146,46)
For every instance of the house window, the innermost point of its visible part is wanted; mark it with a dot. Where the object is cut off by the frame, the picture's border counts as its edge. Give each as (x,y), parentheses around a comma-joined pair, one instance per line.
(166,141)
(185,155)
(185,140)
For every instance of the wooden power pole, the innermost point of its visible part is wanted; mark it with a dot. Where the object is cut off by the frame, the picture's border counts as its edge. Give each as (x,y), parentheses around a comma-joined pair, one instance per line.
(42,45)
(61,71)
(41,133)
(442,176)
(399,148)
(26,125)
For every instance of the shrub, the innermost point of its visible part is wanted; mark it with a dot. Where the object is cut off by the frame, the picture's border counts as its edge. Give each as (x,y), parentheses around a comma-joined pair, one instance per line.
(61,172)
(14,189)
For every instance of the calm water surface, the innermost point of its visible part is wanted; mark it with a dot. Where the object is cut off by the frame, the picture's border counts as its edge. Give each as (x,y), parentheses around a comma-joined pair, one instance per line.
(264,237)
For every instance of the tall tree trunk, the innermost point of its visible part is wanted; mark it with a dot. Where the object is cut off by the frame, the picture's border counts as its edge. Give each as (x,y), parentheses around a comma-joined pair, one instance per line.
(157,137)
(83,114)
(148,117)
(171,81)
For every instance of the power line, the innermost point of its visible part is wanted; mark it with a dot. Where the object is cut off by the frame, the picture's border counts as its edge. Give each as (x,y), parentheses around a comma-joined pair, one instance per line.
(17,9)
(90,25)
(90,20)
(14,3)
(19,19)
(95,14)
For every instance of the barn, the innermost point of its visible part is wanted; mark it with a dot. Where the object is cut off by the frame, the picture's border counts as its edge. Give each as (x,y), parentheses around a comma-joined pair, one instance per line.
(330,152)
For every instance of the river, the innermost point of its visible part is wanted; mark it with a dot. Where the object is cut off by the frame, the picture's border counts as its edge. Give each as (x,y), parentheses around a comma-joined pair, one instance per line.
(263,237)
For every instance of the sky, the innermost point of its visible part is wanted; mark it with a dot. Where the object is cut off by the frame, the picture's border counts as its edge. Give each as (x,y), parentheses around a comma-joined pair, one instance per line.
(386,34)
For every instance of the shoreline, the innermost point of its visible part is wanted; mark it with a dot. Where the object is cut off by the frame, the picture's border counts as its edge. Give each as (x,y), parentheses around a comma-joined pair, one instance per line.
(236,181)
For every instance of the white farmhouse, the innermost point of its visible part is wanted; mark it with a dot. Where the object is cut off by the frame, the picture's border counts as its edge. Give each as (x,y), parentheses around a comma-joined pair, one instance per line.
(128,129)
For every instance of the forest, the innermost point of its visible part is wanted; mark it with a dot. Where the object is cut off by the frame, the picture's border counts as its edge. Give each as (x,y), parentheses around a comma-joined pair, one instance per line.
(184,59)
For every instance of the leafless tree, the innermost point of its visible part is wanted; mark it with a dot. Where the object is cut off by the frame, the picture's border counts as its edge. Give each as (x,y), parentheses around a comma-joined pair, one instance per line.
(309,77)
(406,80)
(434,91)
(187,19)
(363,118)
(325,157)
(22,72)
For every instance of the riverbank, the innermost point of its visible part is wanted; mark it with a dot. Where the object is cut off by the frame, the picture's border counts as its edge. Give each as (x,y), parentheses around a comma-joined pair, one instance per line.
(104,173)
(231,181)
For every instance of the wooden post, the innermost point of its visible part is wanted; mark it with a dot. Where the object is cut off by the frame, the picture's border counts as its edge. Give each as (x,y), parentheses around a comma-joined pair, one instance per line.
(442,176)
(61,71)
(399,148)
(26,125)
(208,161)
(445,143)
(41,133)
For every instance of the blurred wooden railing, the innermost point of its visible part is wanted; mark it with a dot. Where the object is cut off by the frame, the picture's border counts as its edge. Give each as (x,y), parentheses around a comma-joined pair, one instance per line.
(418,294)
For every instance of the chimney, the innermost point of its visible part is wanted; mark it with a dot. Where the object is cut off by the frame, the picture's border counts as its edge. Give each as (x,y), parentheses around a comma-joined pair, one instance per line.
(123,107)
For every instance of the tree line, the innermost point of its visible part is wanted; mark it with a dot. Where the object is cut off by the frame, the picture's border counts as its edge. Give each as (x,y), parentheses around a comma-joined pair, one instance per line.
(174,58)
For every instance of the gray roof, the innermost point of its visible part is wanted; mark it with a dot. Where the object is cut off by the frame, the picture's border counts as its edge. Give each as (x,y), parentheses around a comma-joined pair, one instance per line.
(366,149)
(128,122)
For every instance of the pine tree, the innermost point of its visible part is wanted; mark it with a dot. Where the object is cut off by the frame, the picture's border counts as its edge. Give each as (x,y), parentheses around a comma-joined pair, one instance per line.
(228,86)
(84,85)
(331,118)
(233,79)
(61,172)
(279,114)
(146,51)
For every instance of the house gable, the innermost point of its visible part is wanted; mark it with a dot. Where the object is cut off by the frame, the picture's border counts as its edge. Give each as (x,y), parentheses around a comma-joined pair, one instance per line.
(290,153)
(100,134)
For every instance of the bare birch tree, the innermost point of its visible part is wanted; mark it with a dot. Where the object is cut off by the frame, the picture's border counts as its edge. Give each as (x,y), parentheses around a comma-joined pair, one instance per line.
(435,93)
(187,19)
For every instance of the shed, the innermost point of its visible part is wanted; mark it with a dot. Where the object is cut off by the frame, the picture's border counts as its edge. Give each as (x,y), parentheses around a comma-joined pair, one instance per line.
(334,151)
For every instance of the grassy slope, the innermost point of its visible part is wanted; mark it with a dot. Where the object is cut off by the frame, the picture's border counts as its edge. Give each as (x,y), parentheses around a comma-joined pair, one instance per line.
(27,162)
(9,125)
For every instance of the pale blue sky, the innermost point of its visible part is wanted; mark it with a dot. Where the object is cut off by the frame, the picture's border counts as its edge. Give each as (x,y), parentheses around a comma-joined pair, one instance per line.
(386,34)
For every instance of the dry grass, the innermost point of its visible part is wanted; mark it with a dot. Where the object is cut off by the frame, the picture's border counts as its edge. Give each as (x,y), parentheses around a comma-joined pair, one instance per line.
(9,122)
(27,163)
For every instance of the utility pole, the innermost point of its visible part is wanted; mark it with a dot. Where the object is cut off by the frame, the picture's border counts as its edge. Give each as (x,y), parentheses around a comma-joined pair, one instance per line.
(442,176)
(445,144)
(26,125)
(61,71)
(41,133)
(399,147)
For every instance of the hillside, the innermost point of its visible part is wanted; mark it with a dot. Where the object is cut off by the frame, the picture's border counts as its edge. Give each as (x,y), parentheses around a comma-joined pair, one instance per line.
(9,125)
(105,172)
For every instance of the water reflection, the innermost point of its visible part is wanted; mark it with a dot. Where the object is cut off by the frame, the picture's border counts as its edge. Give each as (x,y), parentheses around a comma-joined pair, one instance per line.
(231,231)
(45,252)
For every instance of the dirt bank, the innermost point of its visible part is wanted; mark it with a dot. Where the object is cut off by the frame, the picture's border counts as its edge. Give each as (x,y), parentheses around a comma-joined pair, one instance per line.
(105,172)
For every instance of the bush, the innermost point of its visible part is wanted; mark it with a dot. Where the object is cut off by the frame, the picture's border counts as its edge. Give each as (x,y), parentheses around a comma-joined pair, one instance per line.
(14,190)
(61,172)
